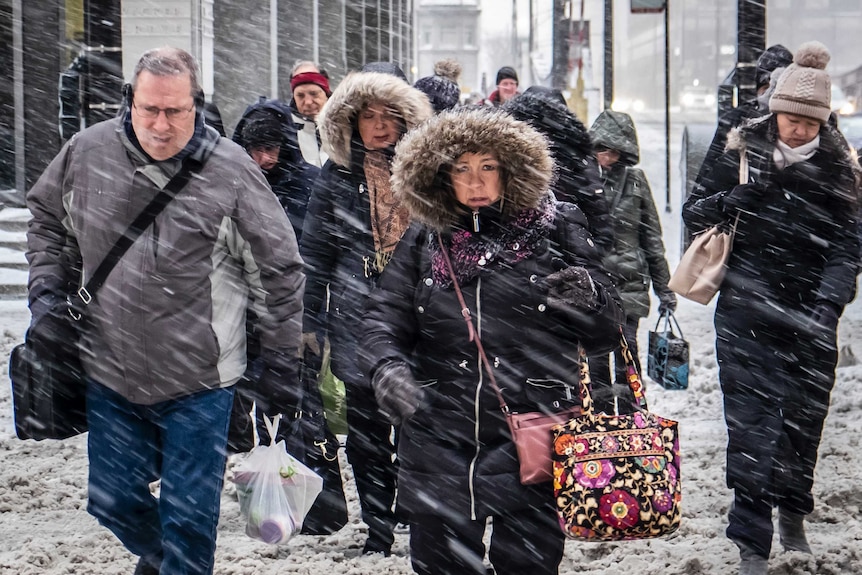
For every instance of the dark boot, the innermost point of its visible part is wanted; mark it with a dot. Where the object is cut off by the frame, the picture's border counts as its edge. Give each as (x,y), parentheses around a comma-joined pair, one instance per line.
(148,566)
(750,563)
(791,531)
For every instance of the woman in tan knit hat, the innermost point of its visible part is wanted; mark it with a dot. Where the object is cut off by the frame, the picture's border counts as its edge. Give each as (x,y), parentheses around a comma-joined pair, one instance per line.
(792,270)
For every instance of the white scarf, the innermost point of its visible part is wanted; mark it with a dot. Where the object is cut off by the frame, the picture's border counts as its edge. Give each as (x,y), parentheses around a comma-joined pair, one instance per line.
(784,155)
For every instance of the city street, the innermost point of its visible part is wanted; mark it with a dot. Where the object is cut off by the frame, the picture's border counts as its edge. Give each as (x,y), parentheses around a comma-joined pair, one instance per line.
(45,529)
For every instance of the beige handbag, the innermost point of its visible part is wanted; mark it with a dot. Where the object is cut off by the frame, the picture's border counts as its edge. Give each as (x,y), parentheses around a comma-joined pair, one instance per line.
(702,267)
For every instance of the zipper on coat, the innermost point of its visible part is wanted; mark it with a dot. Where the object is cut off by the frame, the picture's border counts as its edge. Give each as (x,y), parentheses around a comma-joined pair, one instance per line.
(475,222)
(472,470)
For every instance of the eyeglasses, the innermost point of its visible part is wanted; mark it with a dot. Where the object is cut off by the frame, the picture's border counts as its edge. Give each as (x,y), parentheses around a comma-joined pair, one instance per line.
(172,114)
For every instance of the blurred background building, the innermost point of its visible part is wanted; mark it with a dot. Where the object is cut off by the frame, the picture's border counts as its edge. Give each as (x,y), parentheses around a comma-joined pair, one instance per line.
(63,62)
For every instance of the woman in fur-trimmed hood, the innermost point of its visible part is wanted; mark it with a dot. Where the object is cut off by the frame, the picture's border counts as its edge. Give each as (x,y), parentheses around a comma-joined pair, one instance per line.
(792,270)
(476,183)
(351,229)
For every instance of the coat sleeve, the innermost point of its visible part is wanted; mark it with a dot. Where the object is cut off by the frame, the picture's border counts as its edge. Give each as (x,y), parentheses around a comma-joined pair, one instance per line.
(320,246)
(650,236)
(273,267)
(389,325)
(704,207)
(52,249)
(598,330)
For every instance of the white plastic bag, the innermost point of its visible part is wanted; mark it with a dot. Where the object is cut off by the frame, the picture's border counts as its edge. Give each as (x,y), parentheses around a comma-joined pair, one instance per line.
(275,490)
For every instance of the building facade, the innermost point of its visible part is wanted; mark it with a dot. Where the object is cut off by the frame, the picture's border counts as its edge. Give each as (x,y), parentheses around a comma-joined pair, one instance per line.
(246,49)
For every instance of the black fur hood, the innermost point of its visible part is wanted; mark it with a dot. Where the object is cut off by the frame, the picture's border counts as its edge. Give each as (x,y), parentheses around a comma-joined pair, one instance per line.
(420,155)
(337,119)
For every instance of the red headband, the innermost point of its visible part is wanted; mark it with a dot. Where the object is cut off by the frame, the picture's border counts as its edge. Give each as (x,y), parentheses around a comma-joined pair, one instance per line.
(311,78)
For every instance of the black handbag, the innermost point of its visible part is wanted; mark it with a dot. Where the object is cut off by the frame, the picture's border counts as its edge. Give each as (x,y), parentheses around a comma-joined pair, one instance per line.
(667,356)
(310,440)
(48,382)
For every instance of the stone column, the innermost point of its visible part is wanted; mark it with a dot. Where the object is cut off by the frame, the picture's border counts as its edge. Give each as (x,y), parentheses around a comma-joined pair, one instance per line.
(36,64)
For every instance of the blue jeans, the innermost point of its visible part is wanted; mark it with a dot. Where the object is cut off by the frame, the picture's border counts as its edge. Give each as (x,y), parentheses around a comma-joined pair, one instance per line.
(183,442)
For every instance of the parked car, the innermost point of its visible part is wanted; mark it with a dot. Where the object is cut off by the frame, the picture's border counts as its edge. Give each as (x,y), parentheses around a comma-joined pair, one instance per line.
(697,98)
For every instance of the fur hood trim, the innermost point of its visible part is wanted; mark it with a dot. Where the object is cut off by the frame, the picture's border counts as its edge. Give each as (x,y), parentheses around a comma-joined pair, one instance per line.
(423,154)
(337,119)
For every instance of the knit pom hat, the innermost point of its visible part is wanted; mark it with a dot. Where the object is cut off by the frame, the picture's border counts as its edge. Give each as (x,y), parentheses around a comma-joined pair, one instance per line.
(805,88)
(506,72)
(442,88)
(311,78)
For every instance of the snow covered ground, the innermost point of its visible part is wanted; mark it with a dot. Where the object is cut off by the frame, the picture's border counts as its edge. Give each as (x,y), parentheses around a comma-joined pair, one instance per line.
(45,529)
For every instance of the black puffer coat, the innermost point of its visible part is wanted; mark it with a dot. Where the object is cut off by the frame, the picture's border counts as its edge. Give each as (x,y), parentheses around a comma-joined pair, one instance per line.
(337,244)
(456,455)
(796,247)
(577,177)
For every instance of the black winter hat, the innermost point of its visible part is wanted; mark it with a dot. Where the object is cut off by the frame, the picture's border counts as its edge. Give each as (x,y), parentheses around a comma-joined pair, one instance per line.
(385,68)
(506,72)
(776,56)
(442,88)
(262,129)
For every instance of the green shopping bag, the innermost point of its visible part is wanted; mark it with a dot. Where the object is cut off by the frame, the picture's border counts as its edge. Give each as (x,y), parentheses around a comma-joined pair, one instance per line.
(332,391)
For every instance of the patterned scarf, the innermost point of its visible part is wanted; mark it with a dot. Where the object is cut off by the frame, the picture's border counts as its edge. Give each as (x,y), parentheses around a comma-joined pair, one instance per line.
(389,219)
(474,252)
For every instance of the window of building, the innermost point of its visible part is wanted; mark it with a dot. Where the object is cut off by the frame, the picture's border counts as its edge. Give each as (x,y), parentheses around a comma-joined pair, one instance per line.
(426,36)
(469,36)
(449,37)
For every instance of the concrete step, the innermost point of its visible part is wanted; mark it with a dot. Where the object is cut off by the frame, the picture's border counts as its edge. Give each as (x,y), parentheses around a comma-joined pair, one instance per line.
(13,240)
(13,259)
(13,283)
(14,219)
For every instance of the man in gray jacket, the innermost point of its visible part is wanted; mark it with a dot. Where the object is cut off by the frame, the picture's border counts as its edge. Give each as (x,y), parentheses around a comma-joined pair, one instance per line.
(164,339)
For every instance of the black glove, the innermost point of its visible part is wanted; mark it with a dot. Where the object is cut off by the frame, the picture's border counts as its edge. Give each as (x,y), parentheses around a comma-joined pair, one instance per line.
(744,197)
(397,393)
(667,302)
(825,316)
(572,287)
(278,389)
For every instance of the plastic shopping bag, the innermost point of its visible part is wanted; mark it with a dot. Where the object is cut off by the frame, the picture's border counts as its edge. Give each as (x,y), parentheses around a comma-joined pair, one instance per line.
(275,490)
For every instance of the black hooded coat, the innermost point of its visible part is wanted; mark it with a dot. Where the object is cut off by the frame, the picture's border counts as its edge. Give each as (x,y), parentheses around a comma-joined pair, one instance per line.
(337,243)
(292,178)
(456,454)
(795,252)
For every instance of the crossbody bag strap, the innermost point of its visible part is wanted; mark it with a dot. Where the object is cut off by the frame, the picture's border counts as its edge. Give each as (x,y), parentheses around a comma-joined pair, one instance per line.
(583,376)
(85,295)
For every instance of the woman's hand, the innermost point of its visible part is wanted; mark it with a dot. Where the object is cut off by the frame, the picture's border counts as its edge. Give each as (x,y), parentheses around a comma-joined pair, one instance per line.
(572,287)
(397,393)
(744,197)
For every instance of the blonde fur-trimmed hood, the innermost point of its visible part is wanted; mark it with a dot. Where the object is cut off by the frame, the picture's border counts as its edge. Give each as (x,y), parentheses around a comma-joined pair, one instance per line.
(337,119)
(419,157)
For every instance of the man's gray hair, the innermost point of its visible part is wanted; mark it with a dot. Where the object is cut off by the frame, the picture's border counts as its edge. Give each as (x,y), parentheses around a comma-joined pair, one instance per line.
(303,64)
(168,61)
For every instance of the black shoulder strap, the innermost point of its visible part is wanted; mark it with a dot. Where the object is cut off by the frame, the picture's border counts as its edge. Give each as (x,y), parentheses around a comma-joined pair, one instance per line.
(85,295)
